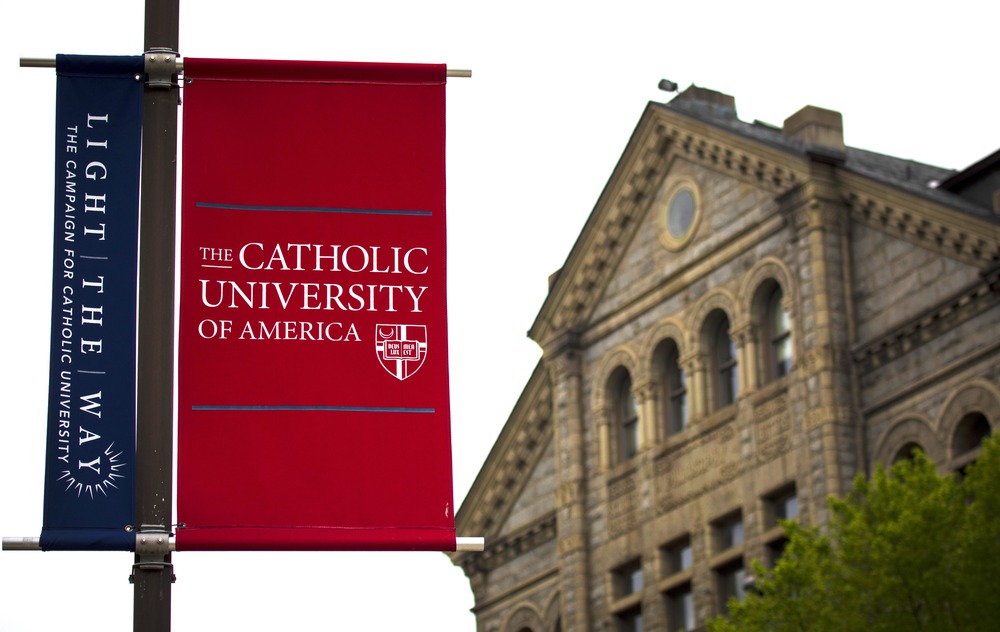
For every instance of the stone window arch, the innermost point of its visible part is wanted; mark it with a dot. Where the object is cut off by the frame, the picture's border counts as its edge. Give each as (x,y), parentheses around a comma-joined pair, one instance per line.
(903,436)
(767,296)
(967,418)
(524,618)
(607,405)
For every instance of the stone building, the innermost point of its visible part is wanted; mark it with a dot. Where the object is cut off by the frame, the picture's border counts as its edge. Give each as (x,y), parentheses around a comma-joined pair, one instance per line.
(751,316)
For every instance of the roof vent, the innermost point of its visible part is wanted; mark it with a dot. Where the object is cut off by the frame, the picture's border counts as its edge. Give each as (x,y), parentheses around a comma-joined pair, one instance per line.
(816,126)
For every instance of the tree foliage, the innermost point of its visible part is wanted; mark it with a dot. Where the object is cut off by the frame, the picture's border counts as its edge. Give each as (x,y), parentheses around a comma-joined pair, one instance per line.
(907,549)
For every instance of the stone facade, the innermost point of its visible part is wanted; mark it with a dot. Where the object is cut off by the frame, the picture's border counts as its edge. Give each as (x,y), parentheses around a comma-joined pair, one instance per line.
(751,317)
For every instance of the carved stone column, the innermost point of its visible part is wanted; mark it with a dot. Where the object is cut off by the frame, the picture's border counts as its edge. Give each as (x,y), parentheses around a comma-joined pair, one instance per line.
(646,396)
(821,222)
(562,359)
(693,365)
(746,355)
(605,454)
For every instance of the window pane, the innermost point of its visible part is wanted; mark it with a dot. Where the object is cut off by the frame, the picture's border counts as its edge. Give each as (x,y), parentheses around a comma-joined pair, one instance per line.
(630,621)
(790,508)
(628,579)
(729,532)
(680,610)
(725,358)
(635,580)
(678,412)
(783,355)
(677,556)
(731,581)
(674,393)
(779,330)
(630,439)
(628,420)
(736,534)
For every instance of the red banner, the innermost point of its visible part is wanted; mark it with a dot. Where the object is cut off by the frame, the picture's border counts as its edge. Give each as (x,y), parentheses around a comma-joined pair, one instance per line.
(313,370)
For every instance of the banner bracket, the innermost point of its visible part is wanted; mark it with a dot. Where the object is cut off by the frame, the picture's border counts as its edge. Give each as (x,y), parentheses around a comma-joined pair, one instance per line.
(152,550)
(152,540)
(152,566)
(161,68)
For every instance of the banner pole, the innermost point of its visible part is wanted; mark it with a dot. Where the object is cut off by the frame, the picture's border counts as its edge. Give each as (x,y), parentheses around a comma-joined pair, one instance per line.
(152,572)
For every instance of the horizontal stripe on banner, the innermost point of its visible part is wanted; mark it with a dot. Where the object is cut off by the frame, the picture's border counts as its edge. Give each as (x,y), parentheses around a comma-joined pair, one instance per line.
(337,409)
(315,539)
(313,209)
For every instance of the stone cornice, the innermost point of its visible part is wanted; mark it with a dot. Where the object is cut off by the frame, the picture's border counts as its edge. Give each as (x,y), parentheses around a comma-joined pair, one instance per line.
(925,223)
(511,546)
(930,325)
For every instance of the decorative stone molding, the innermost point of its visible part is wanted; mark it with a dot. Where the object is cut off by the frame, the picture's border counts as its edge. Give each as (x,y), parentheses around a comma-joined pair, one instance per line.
(817,417)
(569,492)
(767,269)
(772,175)
(525,617)
(911,429)
(698,467)
(502,550)
(572,543)
(977,248)
(629,197)
(667,329)
(720,299)
(978,397)
(931,324)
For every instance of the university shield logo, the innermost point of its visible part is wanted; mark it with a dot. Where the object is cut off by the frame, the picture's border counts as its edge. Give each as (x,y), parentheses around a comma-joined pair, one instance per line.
(401,348)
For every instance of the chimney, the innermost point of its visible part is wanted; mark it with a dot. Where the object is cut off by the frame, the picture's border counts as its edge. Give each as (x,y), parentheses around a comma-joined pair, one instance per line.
(816,126)
(706,101)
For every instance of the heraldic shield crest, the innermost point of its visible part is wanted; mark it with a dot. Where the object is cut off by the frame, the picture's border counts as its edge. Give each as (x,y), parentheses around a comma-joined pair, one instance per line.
(401,348)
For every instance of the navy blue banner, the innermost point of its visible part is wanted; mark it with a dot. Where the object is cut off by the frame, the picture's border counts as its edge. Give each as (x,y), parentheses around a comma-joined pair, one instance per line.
(90,453)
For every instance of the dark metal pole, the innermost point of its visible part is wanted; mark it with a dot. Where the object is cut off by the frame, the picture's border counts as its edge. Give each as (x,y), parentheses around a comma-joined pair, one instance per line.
(153,572)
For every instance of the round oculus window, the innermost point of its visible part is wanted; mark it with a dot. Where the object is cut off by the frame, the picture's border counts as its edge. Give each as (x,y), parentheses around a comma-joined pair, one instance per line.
(680,214)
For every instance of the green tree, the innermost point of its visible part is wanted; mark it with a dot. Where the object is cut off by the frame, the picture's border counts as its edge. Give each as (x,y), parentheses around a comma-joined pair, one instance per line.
(907,549)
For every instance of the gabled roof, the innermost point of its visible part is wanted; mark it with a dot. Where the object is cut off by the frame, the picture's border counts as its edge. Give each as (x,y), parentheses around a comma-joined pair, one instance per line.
(703,127)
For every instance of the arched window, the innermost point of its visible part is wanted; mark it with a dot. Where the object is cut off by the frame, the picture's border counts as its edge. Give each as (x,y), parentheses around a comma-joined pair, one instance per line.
(627,418)
(906,452)
(779,336)
(724,363)
(674,388)
(969,435)
(967,441)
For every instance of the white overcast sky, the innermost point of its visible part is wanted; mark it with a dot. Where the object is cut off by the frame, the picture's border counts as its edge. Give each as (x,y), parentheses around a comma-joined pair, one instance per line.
(557,89)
